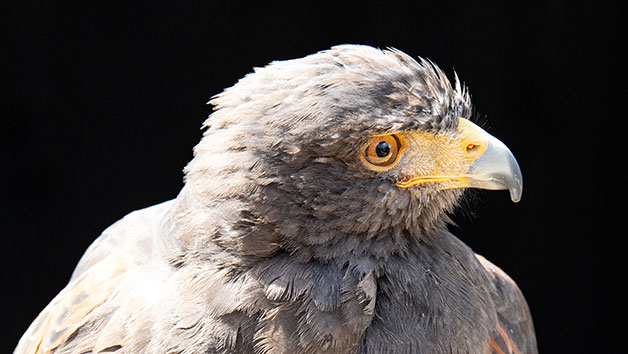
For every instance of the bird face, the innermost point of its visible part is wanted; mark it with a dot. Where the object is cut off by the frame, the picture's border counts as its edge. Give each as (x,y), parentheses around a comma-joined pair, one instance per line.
(354,145)
(467,158)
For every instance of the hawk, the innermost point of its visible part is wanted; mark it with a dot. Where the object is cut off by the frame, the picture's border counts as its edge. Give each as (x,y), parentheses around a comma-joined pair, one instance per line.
(313,219)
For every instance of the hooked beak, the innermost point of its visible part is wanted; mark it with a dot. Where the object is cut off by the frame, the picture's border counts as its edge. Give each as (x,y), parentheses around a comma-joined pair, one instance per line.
(481,161)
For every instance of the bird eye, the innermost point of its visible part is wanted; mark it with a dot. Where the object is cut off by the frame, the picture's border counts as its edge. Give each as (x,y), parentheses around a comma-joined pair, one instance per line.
(382,151)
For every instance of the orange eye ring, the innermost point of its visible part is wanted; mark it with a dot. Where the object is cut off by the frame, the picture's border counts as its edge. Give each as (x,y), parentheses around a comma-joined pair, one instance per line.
(382,151)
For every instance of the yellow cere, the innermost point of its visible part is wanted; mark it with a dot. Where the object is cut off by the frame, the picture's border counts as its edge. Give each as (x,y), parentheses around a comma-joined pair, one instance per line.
(423,157)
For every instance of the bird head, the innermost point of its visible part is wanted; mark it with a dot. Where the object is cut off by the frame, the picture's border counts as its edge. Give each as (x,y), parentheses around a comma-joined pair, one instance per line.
(353,146)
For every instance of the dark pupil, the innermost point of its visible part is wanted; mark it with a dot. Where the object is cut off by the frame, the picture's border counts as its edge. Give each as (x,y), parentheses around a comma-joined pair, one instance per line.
(382,149)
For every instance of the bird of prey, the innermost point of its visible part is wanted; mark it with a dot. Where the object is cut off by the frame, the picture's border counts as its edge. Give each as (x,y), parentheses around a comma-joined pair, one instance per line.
(313,219)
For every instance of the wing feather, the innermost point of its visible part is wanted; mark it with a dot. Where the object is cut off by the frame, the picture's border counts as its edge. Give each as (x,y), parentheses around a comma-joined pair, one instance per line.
(515,332)
(71,308)
(101,291)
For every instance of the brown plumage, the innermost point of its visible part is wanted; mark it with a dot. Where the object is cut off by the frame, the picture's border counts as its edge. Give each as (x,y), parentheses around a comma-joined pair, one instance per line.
(313,220)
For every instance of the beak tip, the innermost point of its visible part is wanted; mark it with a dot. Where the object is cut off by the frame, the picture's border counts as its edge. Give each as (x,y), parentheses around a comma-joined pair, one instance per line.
(515,195)
(516,186)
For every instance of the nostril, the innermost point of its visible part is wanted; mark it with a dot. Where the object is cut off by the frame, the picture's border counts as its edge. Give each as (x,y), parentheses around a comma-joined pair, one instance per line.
(472,148)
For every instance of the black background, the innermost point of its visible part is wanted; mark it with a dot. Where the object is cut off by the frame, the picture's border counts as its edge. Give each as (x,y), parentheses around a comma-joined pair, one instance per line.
(102,104)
